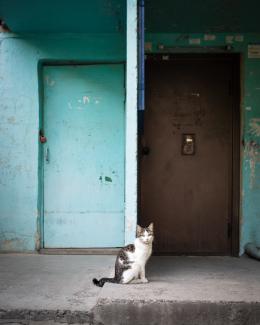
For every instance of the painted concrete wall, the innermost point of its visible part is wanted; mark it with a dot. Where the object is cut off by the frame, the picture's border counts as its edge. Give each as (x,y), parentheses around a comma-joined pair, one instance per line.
(131,124)
(250,114)
(19,121)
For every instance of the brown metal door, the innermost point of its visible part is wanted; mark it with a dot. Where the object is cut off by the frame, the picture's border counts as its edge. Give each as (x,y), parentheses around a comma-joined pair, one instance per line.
(186,157)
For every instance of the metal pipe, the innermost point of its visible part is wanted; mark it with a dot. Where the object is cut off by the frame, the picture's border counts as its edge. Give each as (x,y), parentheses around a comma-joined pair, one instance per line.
(141,66)
(252,251)
(141,55)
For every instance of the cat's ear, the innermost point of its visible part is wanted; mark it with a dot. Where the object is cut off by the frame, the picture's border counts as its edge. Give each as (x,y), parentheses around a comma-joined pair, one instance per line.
(150,227)
(138,230)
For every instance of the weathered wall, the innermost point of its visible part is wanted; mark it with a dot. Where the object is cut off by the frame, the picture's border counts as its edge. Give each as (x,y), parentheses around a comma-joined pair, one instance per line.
(19,121)
(131,124)
(250,113)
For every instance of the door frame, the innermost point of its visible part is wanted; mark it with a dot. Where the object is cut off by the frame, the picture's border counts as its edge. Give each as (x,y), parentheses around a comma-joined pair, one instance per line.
(40,201)
(235,88)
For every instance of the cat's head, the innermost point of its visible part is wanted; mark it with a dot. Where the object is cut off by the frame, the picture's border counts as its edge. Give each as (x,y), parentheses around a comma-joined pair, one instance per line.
(145,235)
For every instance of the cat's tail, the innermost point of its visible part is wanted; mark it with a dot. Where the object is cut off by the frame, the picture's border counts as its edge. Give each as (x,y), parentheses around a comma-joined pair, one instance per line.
(102,281)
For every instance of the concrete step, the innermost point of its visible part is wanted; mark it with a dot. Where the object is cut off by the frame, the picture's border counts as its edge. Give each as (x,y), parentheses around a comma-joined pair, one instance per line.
(124,312)
(177,313)
(56,290)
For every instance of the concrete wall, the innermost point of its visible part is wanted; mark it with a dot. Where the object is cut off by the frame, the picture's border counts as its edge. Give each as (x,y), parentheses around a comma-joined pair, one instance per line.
(19,122)
(131,124)
(250,114)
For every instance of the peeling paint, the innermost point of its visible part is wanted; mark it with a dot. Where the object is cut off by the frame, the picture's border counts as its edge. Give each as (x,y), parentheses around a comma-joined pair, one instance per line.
(148,46)
(37,240)
(194,41)
(239,38)
(255,126)
(251,153)
(49,81)
(254,51)
(10,243)
(86,100)
(209,37)
(229,39)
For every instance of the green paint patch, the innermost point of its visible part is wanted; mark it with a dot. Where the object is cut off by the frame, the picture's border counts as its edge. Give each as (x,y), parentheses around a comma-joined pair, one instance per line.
(108,179)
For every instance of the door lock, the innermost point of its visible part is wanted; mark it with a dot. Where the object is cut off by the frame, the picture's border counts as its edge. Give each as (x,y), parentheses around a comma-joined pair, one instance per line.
(188,144)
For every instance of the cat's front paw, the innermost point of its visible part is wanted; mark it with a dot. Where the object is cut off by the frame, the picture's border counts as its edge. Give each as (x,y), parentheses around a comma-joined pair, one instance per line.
(144,280)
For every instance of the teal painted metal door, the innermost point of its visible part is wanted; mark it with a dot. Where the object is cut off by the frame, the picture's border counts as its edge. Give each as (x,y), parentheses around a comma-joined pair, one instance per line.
(83,158)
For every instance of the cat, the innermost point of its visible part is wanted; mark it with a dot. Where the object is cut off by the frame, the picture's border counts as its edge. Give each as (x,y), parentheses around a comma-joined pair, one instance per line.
(131,259)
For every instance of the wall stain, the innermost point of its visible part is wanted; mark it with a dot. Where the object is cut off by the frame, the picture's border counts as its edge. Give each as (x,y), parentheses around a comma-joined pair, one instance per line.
(11,120)
(108,179)
(37,240)
(12,244)
(50,82)
(86,100)
(251,152)
(255,126)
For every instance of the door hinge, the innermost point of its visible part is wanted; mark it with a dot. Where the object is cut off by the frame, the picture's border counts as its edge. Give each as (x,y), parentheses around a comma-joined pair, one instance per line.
(229,230)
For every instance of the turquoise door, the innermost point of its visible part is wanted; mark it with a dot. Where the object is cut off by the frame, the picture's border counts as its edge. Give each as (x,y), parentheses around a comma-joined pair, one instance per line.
(83,158)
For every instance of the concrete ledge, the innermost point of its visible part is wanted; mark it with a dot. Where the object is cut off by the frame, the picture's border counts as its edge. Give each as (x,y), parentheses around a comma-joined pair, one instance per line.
(176,312)
(125,312)
(26,316)
(58,289)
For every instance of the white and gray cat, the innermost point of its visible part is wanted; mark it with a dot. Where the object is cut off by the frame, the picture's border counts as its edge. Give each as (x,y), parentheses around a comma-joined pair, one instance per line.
(131,260)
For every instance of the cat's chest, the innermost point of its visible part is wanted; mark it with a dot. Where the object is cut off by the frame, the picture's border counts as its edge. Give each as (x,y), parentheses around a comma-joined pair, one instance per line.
(140,256)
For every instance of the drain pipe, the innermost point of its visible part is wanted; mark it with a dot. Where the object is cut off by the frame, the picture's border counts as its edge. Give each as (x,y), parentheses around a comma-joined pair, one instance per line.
(252,251)
(141,66)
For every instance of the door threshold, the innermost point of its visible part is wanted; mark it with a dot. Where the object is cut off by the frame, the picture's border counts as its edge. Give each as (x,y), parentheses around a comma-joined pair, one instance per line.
(79,251)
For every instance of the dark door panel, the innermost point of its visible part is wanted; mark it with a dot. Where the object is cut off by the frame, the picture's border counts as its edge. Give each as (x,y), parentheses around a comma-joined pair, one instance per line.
(186,172)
